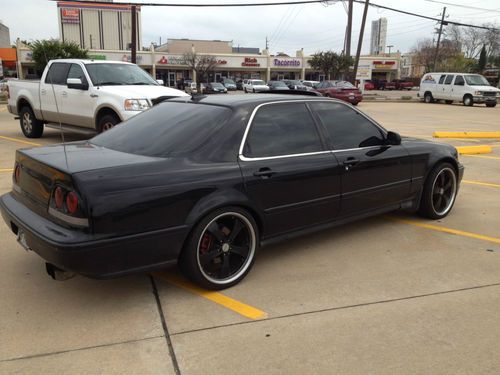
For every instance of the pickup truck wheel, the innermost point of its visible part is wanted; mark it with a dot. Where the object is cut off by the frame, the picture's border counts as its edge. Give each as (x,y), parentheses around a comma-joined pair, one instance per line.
(491,105)
(107,122)
(468,101)
(31,127)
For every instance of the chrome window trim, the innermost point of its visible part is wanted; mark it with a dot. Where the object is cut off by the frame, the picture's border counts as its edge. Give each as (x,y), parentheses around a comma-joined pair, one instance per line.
(247,129)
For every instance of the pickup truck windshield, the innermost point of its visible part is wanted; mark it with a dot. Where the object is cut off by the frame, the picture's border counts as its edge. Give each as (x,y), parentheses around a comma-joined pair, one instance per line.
(476,80)
(118,74)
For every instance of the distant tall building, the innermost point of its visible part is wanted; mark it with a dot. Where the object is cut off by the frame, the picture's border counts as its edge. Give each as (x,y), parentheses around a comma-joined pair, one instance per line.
(98,26)
(4,36)
(379,36)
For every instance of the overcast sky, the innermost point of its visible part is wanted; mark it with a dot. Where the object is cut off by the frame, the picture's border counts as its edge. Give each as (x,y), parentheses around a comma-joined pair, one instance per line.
(314,27)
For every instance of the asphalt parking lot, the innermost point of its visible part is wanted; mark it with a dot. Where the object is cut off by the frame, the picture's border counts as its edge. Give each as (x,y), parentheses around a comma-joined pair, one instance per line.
(395,294)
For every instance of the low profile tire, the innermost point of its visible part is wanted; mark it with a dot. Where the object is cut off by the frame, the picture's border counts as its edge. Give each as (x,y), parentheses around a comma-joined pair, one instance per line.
(31,127)
(107,122)
(468,101)
(428,98)
(448,101)
(491,105)
(440,191)
(221,249)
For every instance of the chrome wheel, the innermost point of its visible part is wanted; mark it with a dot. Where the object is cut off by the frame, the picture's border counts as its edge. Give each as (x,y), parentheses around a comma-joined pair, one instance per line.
(27,122)
(444,189)
(226,248)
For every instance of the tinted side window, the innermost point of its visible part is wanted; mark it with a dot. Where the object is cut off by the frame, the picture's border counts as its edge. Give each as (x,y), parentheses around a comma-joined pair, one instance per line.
(346,127)
(441,79)
(448,79)
(57,74)
(282,129)
(459,81)
(76,71)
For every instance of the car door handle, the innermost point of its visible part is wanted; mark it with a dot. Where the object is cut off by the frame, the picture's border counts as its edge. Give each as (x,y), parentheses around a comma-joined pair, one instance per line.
(351,161)
(264,172)
(94,95)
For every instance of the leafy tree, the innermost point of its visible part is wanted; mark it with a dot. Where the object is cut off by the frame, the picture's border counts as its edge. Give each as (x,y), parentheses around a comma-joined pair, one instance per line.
(46,50)
(331,64)
(201,64)
(482,59)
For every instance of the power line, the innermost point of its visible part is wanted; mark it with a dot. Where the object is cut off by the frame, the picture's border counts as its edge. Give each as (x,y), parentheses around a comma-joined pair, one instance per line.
(223,5)
(463,6)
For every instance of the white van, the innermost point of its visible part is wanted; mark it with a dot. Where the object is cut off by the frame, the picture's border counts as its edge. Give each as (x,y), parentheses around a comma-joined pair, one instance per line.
(461,87)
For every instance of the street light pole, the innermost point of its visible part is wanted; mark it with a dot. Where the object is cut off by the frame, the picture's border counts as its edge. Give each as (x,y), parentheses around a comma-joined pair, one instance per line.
(390,46)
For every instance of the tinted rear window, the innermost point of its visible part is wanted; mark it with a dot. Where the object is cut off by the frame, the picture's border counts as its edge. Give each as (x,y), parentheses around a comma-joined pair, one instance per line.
(167,130)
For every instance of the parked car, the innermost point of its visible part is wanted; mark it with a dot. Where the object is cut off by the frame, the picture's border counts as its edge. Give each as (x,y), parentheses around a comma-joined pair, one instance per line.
(294,84)
(310,84)
(388,85)
(369,85)
(239,84)
(342,90)
(92,95)
(207,182)
(229,84)
(255,85)
(461,87)
(402,84)
(277,85)
(190,87)
(214,88)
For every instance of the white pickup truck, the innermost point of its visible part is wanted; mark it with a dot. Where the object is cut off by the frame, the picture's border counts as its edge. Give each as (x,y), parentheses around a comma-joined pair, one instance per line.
(85,96)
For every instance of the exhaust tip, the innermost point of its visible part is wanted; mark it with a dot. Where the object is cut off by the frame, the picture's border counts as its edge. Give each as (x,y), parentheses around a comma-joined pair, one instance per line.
(58,274)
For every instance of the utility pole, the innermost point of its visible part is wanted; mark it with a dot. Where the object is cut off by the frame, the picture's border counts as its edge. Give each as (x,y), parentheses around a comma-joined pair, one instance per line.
(133,58)
(349,30)
(439,40)
(360,41)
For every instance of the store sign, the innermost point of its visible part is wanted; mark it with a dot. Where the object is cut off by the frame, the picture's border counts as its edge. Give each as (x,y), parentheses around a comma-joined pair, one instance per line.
(286,63)
(384,64)
(364,71)
(70,15)
(128,58)
(250,61)
(97,57)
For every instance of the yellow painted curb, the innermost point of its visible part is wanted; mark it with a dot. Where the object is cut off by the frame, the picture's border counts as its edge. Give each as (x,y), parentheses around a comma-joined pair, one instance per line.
(466,134)
(471,150)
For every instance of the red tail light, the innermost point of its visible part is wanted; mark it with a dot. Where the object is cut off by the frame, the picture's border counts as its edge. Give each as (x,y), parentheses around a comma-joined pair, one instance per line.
(71,202)
(59,197)
(17,173)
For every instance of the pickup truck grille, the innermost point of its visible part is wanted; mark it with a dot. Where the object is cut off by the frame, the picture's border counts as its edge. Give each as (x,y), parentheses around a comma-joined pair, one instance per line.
(490,93)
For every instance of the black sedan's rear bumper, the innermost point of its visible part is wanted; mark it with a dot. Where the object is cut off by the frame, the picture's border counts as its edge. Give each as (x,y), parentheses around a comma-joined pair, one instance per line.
(88,254)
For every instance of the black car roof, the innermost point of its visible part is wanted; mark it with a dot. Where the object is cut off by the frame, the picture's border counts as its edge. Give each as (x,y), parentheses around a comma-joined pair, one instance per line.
(253,100)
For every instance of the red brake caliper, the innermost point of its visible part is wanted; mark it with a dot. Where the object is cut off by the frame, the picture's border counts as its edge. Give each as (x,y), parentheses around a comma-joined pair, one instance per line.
(206,243)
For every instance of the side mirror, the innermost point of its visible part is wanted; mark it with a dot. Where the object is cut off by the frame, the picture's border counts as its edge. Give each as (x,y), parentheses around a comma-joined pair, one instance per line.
(160,81)
(393,138)
(76,83)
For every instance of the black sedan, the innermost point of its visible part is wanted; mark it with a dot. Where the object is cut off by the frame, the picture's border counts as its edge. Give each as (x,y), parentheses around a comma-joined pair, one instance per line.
(206,181)
(277,86)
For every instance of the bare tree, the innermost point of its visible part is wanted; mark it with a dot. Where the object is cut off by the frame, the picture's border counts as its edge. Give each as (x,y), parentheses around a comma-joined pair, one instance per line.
(201,64)
(449,58)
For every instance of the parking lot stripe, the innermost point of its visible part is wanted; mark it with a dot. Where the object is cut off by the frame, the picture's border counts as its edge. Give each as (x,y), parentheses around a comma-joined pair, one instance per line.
(219,298)
(20,141)
(483,156)
(463,150)
(466,134)
(444,229)
(481,183)
(6,169)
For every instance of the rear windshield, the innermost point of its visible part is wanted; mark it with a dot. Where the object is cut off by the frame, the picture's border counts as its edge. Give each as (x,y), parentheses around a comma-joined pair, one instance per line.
(166,130)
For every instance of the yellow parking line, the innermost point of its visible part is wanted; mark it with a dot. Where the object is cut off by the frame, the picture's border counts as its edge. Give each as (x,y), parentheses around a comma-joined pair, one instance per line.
(20,141)
(481,183)
(6,170)
(445,230)
(466,134)
(219,298)
(463,150)
(483,156)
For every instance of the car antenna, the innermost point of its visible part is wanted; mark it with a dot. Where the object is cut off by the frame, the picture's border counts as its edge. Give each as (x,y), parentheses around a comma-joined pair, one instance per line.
(48,76)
